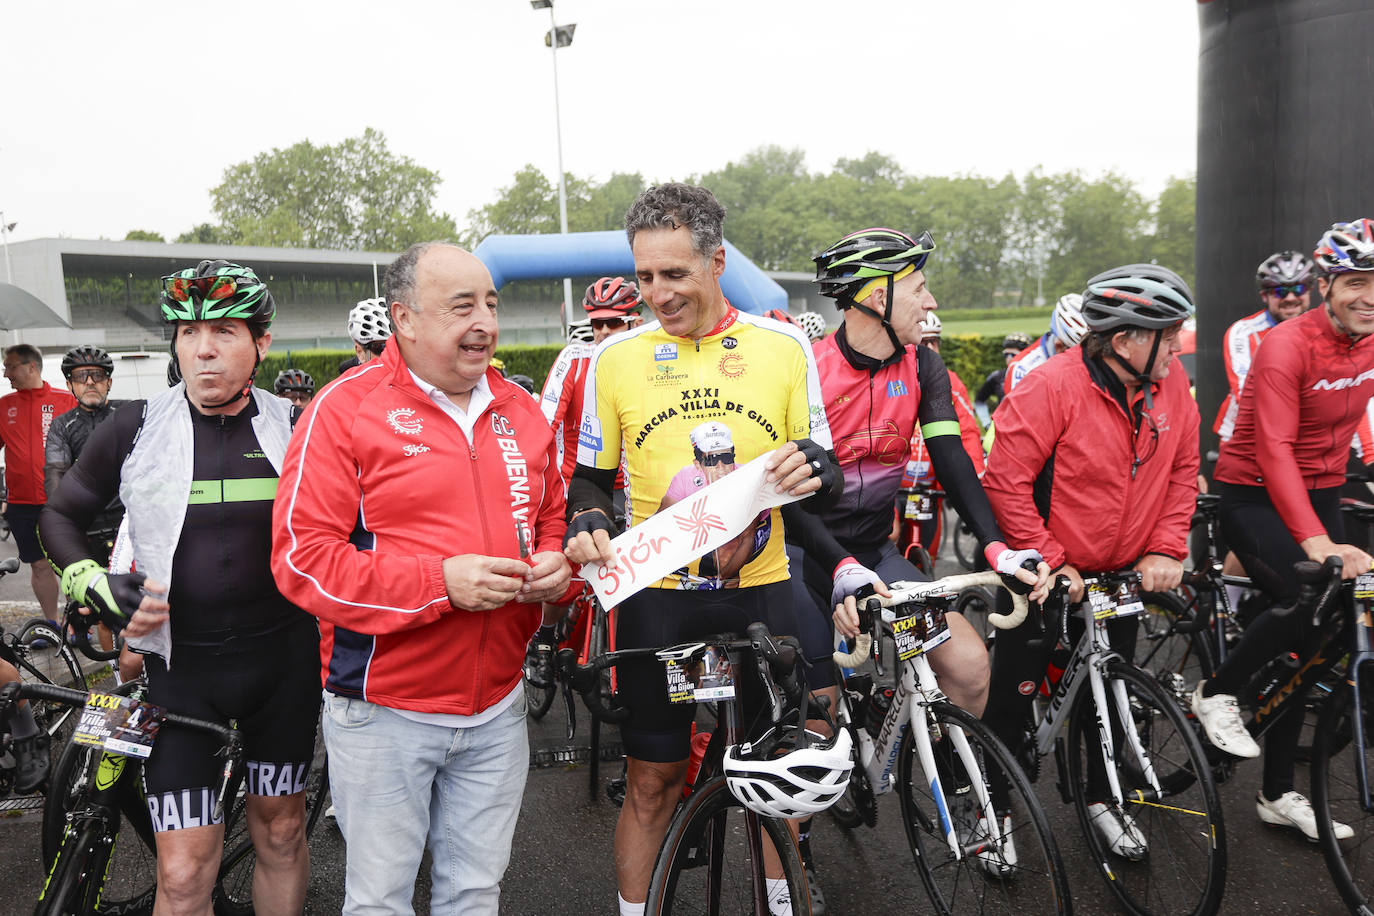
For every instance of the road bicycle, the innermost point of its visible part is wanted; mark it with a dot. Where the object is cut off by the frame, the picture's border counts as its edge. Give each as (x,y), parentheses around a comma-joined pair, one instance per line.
(588,629)
(712,859)
(1127,758)
(972,858)
(86,775)
(108,799)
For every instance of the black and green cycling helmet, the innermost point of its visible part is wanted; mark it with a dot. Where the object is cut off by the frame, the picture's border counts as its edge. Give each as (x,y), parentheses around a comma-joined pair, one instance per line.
(218,289)
(848,265)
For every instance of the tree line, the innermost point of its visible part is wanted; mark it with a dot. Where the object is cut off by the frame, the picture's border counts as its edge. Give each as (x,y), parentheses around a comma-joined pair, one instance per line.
(1001,240)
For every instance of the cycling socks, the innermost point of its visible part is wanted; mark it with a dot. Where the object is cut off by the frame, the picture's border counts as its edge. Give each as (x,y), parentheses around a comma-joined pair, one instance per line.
(629,909)
(804,841)
(23,724)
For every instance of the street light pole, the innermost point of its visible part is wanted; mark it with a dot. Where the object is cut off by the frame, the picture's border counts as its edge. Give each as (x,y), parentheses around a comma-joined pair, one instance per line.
(5,236)
(554,42)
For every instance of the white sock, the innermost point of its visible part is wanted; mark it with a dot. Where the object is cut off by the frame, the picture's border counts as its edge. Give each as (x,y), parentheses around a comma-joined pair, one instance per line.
(629,909)
(779,898)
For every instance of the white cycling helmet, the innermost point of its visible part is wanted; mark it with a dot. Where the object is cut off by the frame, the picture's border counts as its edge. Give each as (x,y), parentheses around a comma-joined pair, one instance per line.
(813,324)
(581,332)
(930,326)
(369,321)
(801,782)
(1067,321)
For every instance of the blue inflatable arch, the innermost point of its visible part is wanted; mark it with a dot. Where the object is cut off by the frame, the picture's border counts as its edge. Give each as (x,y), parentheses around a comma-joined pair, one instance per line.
(603,254)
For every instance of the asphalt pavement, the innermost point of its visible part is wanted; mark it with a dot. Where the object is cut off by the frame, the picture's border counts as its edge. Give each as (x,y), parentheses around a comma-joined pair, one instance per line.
(561,861)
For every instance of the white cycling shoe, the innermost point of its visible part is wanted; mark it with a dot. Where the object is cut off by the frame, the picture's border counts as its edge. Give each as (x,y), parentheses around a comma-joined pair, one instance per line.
(1118,832)
(1292,809)
(1220,719)
(998,863)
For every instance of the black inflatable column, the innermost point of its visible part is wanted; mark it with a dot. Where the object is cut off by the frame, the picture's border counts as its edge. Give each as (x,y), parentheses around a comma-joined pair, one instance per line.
(1285,136)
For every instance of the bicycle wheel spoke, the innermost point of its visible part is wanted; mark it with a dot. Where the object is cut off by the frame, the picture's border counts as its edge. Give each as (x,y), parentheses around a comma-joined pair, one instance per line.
(1018,873)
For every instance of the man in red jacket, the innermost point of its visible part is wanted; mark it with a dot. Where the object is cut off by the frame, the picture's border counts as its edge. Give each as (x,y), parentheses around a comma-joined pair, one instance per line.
(1101,438)
(25,417)
(420,517)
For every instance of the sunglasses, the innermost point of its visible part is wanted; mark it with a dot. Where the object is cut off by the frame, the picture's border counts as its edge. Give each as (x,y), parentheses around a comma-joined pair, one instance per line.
(1283,292)
(605,323)
(89,376)
(182,288)
(718,458)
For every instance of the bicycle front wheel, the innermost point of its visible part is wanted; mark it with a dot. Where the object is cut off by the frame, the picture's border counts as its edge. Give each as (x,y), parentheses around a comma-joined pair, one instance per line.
(1024,875)
(1177,660)
(965,543)
(43,658)
(1162,852)
(705,865)
(1336,795)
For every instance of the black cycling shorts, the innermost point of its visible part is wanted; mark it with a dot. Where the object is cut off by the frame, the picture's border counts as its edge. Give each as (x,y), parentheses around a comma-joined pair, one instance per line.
(23,521)
(660,731)
(270,684)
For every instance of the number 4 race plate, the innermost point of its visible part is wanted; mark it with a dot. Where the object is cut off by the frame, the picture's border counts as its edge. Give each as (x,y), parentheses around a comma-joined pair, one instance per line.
(120,725)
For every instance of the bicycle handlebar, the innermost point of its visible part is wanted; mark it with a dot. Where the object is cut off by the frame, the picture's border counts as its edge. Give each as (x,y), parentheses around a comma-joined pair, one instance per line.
(777,657)
(917,592)
(232,739)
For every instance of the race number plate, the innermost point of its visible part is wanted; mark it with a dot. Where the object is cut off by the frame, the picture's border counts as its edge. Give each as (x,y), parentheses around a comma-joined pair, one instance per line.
(120,725)
(919,633)
(699,673)
(1122,601)
(1364,586)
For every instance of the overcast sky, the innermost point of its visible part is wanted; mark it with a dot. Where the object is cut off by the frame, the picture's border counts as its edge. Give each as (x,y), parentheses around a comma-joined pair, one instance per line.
(122,116)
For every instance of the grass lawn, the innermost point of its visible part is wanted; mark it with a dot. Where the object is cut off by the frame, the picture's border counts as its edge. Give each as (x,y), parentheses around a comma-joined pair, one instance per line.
(991,327)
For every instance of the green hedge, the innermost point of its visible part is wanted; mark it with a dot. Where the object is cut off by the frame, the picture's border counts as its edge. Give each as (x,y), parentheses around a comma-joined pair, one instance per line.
(972,357)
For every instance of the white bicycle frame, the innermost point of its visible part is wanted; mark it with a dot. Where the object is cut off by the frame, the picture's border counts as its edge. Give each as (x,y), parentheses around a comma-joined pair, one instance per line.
(1092,654)
(916,691)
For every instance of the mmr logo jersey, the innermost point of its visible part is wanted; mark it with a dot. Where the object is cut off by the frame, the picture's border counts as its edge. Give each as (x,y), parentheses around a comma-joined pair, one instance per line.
(650,391)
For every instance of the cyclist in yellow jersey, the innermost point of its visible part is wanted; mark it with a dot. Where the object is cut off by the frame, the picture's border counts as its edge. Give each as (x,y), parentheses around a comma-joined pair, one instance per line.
(701,362)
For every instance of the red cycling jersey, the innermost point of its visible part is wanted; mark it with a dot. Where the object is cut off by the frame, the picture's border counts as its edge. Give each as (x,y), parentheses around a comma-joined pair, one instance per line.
(918,467)
(1302,400)
(561,401)
(1241,343)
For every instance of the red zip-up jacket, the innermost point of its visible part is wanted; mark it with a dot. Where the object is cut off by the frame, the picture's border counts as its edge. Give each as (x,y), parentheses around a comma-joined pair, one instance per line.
(25,416)
(378,487)
(1059,474)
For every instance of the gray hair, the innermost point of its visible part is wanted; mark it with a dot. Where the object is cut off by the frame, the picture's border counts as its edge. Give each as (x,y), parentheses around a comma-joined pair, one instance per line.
(671,205)
(1098,343)
(400,275)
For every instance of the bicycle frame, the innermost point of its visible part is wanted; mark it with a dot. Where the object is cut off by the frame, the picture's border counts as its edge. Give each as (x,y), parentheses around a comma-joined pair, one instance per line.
(1087,667)
(1348,639)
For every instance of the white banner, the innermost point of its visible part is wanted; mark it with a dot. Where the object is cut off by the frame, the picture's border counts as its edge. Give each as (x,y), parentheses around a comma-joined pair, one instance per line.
(684,531)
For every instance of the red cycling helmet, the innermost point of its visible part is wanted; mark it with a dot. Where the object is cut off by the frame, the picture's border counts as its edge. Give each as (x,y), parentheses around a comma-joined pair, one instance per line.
(780,315)
(612,297)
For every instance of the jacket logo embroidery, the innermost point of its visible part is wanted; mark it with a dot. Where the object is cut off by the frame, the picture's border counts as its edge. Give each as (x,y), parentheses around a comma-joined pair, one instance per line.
(501,426)
(404,421)
(412,450)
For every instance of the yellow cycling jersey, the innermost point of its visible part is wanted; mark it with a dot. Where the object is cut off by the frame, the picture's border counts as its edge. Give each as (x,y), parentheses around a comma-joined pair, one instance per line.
(688,411)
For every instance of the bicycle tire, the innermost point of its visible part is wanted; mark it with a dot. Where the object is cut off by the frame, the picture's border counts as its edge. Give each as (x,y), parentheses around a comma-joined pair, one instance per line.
(1336,795)
(1184,868)
(976,603)
(233,894)
(965,544)
(539,700)
(69,888)
(1176,660)
(707,835)
(1037,882)
(131,878)
(42,658)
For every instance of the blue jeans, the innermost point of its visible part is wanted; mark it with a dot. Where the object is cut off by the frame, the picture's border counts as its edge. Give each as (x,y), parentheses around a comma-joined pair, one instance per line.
(397,783)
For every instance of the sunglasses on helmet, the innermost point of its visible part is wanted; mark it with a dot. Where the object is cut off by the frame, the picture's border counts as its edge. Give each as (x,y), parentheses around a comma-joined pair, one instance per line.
(183,288)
